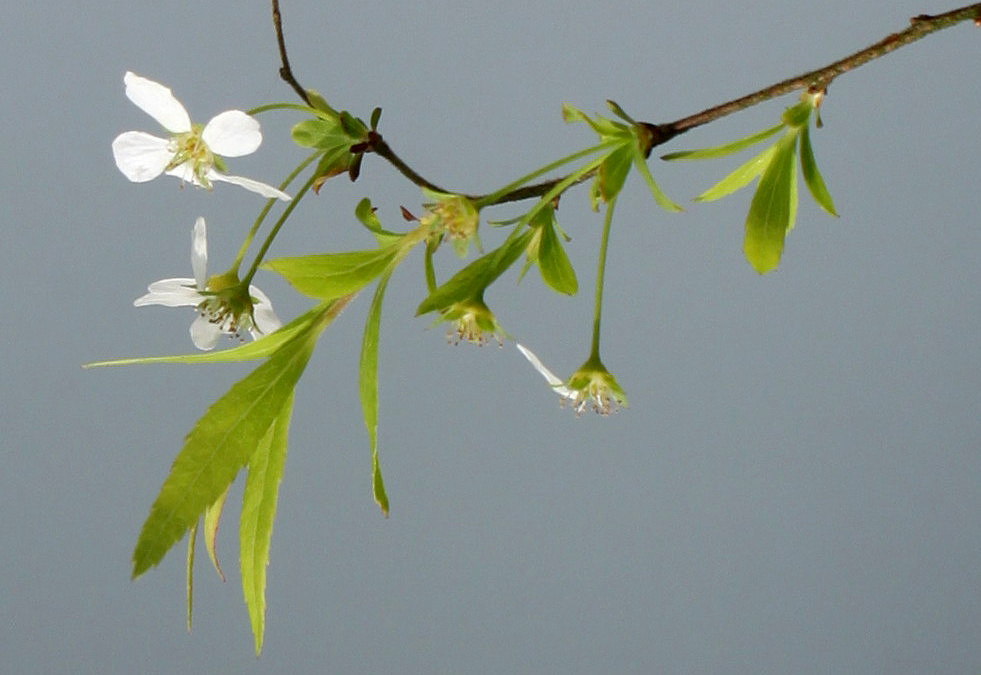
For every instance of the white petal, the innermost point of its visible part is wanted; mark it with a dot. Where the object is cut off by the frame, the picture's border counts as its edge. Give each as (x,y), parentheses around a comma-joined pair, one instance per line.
(232,134)
(171,293)
(158,102)
(141,156)
(265,318)
(557,385)
(199,253)
(185,172)
(204,334)
(267,191)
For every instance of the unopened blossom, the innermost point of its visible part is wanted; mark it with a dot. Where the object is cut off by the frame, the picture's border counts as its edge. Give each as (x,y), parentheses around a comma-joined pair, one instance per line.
(192,152)
(591,385)
(224,305)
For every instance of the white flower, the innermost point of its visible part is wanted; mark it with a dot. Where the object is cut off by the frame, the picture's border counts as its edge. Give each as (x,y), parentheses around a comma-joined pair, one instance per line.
(558,386)
(220,311)
(192,153)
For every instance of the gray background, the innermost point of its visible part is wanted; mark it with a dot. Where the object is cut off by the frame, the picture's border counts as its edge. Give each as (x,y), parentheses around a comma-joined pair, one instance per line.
(793,489)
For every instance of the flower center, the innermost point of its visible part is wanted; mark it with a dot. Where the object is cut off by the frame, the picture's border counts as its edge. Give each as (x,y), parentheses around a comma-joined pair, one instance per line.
(189,147)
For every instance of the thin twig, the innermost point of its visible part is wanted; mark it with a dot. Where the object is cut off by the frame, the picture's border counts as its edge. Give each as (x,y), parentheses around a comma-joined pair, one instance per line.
(285,71)
(818,80)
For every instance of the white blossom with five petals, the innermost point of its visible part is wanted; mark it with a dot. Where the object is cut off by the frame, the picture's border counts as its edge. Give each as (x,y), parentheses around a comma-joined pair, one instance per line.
(214,318)
(192,153)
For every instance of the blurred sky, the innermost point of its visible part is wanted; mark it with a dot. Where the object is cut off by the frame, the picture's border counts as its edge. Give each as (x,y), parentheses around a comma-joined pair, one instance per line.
(794,488)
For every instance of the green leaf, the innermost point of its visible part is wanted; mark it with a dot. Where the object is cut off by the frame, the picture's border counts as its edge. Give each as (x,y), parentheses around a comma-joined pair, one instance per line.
(319,102)
(476,276)
(212,518)
(265,471)
(553,263)
(365,213)
(613,171)
(320,133)
(222,442)
(812,177)
(740,177)
(249,351)
(368,388)
(771,213)
(797,116)
(662,199)
(189,578)
(723,150)
(332,275)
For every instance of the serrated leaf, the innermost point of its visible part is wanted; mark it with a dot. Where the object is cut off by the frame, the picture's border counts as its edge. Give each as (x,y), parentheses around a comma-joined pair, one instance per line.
(332,275)
(368,389)
(740,177)
(476,276)
(812,177)
(553,263)
(265,471)
(212,519)
(771,213)
(723,150)
(222,442)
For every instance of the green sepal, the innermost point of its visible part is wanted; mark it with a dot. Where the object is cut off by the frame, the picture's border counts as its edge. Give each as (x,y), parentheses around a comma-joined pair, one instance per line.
(773,209)
(476,276)
(723,150)
(740,177)
(331,275)
(223,441)
(812,177)
(259,497)
(368,389)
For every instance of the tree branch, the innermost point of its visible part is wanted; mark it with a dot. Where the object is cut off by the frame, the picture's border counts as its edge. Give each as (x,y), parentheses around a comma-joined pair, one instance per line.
(815,80)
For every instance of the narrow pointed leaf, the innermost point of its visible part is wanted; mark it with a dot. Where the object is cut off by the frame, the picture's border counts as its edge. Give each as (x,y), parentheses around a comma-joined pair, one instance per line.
(265,471)
(189,578)
(212,518)
(812,177)
(740,177)
(368,388)
(248,351)
(662,199)
(332,275)
(222,442)
(723,150)
(772,210)
(477,275)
